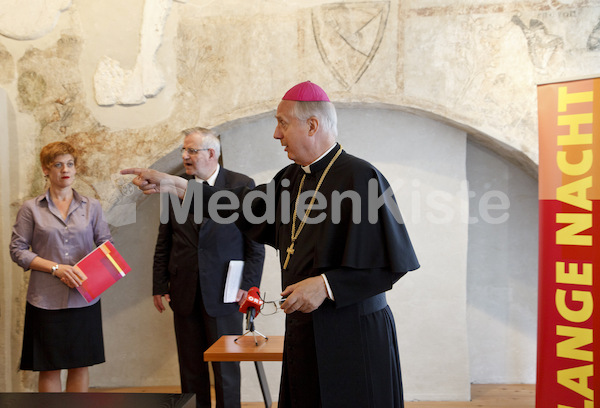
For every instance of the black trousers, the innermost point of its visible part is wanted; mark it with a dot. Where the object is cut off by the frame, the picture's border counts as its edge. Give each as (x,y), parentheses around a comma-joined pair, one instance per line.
(194,334)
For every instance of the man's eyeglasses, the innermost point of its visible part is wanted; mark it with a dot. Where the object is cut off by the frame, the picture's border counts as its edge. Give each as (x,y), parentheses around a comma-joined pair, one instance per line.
(191,151)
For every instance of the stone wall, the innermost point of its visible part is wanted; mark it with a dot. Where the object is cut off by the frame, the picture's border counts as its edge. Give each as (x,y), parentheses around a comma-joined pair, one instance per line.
(119,79)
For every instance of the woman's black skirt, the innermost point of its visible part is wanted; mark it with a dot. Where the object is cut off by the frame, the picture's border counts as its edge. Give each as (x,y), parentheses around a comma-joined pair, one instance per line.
(62,339)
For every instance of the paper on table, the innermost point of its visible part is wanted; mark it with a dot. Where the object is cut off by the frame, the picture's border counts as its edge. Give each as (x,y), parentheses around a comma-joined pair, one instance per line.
(233,282)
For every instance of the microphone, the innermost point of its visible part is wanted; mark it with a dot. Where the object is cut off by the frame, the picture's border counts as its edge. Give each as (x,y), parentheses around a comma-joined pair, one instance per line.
(251,307)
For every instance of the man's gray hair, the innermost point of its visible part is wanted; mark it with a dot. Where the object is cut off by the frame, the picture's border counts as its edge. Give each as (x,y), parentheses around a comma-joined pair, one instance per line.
(210,139)
(322,110)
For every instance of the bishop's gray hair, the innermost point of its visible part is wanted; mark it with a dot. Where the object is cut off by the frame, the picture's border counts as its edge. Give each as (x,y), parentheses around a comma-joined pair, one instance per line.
(324,111)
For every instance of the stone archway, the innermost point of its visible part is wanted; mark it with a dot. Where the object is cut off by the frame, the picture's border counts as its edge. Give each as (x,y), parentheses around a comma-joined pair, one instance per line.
(427,164)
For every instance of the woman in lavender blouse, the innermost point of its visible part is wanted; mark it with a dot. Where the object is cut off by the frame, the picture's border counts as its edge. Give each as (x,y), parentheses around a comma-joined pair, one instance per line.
(52,233)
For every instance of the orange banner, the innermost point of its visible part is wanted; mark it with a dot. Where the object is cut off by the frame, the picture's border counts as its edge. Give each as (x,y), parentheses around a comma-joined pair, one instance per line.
(569,244)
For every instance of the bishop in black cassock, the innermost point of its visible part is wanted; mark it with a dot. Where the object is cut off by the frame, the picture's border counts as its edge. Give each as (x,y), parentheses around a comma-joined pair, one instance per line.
(340,345)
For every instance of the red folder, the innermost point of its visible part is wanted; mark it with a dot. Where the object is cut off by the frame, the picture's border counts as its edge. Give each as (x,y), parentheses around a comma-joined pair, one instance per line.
(103,267)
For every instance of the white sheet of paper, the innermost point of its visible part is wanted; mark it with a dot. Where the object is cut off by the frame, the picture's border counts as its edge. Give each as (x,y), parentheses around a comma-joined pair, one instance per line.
(233,282)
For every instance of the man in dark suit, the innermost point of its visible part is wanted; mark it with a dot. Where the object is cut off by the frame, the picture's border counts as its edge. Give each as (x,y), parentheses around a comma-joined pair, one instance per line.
(190,269)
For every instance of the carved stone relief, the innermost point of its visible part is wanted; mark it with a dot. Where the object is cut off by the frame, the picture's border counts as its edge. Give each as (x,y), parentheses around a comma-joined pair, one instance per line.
(31,19)
(593,42)
(348,36)
(541,45)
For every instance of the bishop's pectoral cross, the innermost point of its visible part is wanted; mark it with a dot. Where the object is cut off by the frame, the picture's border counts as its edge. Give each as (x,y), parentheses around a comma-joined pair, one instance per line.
(290,252)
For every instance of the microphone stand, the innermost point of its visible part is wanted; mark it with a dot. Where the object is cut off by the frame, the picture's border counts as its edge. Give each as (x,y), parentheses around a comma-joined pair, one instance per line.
(250,326)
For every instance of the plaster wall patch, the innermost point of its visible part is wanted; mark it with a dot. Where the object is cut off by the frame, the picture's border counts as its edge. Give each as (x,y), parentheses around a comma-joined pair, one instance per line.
(30,19)
(7,66)
(115,85)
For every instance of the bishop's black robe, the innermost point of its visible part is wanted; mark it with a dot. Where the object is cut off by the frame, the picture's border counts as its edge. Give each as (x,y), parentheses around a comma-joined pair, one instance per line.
(345,353)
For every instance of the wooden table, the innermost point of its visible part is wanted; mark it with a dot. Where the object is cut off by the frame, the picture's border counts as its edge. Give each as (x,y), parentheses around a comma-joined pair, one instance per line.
(245,349)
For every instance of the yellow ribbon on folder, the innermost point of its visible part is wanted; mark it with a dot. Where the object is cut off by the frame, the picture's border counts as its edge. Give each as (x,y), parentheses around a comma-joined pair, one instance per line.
(110,258)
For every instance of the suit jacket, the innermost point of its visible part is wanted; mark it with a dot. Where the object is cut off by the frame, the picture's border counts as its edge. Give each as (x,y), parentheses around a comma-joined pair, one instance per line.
(187,254)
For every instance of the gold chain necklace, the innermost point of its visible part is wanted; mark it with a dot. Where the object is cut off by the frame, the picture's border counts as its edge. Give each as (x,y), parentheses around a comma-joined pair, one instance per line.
(290,250)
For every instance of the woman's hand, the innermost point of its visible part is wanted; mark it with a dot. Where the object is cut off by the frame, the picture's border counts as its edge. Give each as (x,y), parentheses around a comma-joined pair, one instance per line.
(71,276)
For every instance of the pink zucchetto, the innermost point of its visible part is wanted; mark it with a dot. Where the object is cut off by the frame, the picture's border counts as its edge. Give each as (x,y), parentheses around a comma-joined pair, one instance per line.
(306,92)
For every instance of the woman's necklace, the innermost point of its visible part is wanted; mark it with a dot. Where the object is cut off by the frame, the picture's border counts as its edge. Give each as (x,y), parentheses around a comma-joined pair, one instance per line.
(295,234)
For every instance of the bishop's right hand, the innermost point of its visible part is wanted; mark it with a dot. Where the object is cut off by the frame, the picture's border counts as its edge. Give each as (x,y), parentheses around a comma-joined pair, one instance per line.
(151,181)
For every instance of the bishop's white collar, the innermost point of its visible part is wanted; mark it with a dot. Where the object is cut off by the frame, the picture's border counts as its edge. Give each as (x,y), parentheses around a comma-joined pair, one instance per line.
(307,167)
